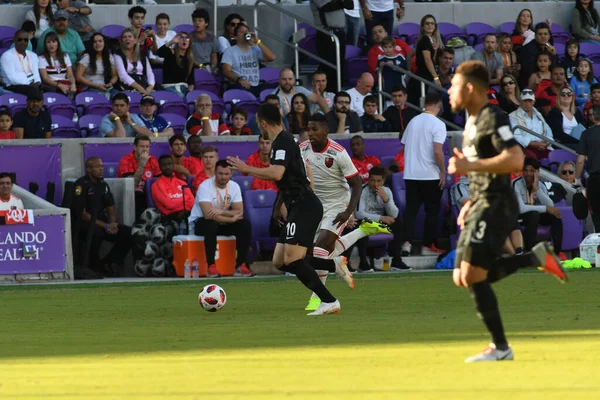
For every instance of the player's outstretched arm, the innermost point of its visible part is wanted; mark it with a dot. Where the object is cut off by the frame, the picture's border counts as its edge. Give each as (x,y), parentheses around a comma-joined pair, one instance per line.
(273,173)
(508,161)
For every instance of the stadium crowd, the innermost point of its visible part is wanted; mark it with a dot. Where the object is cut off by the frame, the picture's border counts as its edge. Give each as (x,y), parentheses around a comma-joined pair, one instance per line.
(152,81)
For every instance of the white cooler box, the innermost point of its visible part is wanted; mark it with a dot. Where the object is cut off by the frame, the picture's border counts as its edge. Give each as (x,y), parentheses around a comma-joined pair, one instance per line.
(588,248)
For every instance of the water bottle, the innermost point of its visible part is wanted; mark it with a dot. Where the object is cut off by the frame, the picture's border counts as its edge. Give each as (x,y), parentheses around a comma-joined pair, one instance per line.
(195,269)
(386,263)
(186,269)
(182,230)
(597,260)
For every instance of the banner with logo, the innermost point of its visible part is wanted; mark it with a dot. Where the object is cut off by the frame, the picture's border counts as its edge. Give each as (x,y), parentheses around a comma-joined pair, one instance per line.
(34,164)
(15,217)
(33,248)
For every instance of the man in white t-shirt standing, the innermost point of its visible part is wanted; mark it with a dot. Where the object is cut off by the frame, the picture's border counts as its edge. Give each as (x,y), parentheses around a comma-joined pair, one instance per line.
(219,210)
(8,201)
(424,173)
(363,88)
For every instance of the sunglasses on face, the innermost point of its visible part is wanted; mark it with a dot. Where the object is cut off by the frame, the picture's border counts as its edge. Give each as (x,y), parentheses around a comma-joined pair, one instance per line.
(429,23)
(567,171)
(504,84)
(234,24)
(566,94)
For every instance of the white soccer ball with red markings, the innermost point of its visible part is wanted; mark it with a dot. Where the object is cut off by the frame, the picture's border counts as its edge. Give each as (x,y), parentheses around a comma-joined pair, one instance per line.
(212,298)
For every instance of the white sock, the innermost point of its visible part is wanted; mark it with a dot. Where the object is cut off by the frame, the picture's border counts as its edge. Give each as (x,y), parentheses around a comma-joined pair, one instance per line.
(346,241)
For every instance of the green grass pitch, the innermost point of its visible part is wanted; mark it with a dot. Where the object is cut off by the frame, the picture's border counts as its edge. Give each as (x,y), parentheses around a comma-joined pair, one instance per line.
(399,336)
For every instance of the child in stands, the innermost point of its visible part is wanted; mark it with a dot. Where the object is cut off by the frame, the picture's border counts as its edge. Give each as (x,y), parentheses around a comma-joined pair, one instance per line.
(6,122)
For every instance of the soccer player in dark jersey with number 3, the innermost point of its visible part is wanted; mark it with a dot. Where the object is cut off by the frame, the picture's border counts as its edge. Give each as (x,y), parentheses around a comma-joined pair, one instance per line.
(489,154)
(303,207)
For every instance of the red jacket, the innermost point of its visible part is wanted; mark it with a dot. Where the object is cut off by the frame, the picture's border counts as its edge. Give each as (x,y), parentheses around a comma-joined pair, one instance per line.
(168,195)
(259,184)
(191,164)
(201,177)
(400,160)
(128,165)
(363,167)
(373,56)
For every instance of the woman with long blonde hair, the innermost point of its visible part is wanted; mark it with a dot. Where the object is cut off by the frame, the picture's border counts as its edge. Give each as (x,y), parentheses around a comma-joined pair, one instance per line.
(565,117)
(133,65)
(178,64)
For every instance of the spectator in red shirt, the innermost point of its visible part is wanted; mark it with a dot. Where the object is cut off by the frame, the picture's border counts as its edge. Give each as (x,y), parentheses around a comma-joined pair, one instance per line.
(594,89)
(362,162)
(6,122)
(261,159)
(140,166)
(379,33)
(238,127)
(169,193)
(194,146)
(184,167)
(210,156)
(549,92)
(137,17)
(203,121)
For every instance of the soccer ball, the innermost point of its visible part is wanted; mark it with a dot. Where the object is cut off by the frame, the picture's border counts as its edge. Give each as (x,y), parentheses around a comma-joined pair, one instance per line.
(159,267)
(150,216)
(172,228)
(166,251)
(142,267)
(150,251)
(212,298)
(158,234)
(139,234)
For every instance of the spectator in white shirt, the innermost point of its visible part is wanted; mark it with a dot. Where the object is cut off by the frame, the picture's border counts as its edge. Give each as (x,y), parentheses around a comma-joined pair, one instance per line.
(163,35)
(55,68)
(20,68)
(424,173)
(526,115)
(8,201)
(363,88)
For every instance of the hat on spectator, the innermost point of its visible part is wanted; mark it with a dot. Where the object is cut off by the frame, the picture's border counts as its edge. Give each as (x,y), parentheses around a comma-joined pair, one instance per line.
(58,14)
(527,94)
(34,94)
(148,99)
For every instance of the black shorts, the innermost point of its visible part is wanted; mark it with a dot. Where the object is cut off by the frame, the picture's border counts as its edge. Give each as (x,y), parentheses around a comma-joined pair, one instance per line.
(489,222)
(304,217)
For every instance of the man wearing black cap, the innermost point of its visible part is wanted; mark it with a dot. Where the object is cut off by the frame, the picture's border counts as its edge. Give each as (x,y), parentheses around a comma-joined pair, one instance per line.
(33,122)
(155,124)
(70,41)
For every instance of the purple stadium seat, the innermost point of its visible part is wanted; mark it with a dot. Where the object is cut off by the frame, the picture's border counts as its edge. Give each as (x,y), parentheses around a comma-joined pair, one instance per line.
(355,67)
(586,48)
(184,28)
(596,69)
(270,75)
(381,239)
(92,103)
(112,31)
(352,51)
(449,30)
(507,27)
(14,101)
(385,161)
(217,103)
(478,30)
(7,34)
(264,93)
(134,102)
(560,48)
(158,75)
(310,31)
(240,98)
(244,181)
(258,208)
(110,169)
(556,157)
(409,31)
(149,199)
(89,125)
(59,104)
(169,102)
(176,120)
(204,80)
(63,127)
(309,44)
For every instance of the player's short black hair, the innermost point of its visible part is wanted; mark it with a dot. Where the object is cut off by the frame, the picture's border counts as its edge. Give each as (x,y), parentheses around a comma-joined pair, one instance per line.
(28,26)
(433,98)
(163,157)
(136,10)
(222,164)
(475,72)
(371,98)
(377,170)
(141,138)
(201,13)
(120,96)
(269,113)
(531,161)
(7,175)
(318,117)
(399,88)
(341,94)
(174,138)
(357,137)
(541,25)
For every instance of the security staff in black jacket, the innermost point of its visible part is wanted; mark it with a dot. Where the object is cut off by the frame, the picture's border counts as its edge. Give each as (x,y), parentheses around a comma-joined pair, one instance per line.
(95,211)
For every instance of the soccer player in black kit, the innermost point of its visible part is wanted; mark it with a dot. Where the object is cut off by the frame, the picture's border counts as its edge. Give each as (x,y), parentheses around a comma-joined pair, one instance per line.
(303,207)
(489,154)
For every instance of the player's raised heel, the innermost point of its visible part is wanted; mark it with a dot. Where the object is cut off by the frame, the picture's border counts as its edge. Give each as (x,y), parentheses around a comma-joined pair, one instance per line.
(327,308)
(369,227)
(492,354)
(549,261)
(313,304)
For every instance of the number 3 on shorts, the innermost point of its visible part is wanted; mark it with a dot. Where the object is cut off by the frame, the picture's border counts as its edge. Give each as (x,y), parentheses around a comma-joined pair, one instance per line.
(290,229)
(480,232)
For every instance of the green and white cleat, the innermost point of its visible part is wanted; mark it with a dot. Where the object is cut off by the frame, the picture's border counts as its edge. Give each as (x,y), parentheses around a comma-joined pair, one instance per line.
(369,227)
(313,304)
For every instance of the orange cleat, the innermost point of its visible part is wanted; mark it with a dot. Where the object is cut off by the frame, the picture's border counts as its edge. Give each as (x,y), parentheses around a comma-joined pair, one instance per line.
(549,261)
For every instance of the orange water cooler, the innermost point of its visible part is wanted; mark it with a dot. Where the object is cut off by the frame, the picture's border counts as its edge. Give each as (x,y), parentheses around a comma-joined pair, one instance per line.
(190,247)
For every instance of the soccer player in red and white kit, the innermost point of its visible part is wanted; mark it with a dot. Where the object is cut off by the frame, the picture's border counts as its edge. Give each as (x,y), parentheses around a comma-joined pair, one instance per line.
(168,192)
(185,167)
(261,159)
(8,201)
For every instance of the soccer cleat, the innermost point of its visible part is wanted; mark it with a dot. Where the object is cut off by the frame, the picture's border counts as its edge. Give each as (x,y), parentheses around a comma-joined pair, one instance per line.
(341,270)
(313,304)
(212,271)
(544,253)
(327,308)
(491,353)
(369,227)
(243,270)
(431,251)
(406,249)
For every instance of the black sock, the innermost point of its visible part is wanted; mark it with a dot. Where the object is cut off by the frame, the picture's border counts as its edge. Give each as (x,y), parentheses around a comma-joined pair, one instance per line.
(321,263)
(487,308)
(505,266)
(307,275)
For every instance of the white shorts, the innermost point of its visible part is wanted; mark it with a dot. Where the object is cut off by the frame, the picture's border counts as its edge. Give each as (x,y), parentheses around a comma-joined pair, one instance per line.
(327,221)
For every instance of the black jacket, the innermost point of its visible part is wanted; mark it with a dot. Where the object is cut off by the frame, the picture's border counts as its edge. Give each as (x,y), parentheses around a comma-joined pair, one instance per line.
(555,122)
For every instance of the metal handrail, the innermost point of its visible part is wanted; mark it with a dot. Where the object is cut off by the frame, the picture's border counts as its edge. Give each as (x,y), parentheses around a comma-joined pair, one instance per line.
(545,139)
(297,18)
